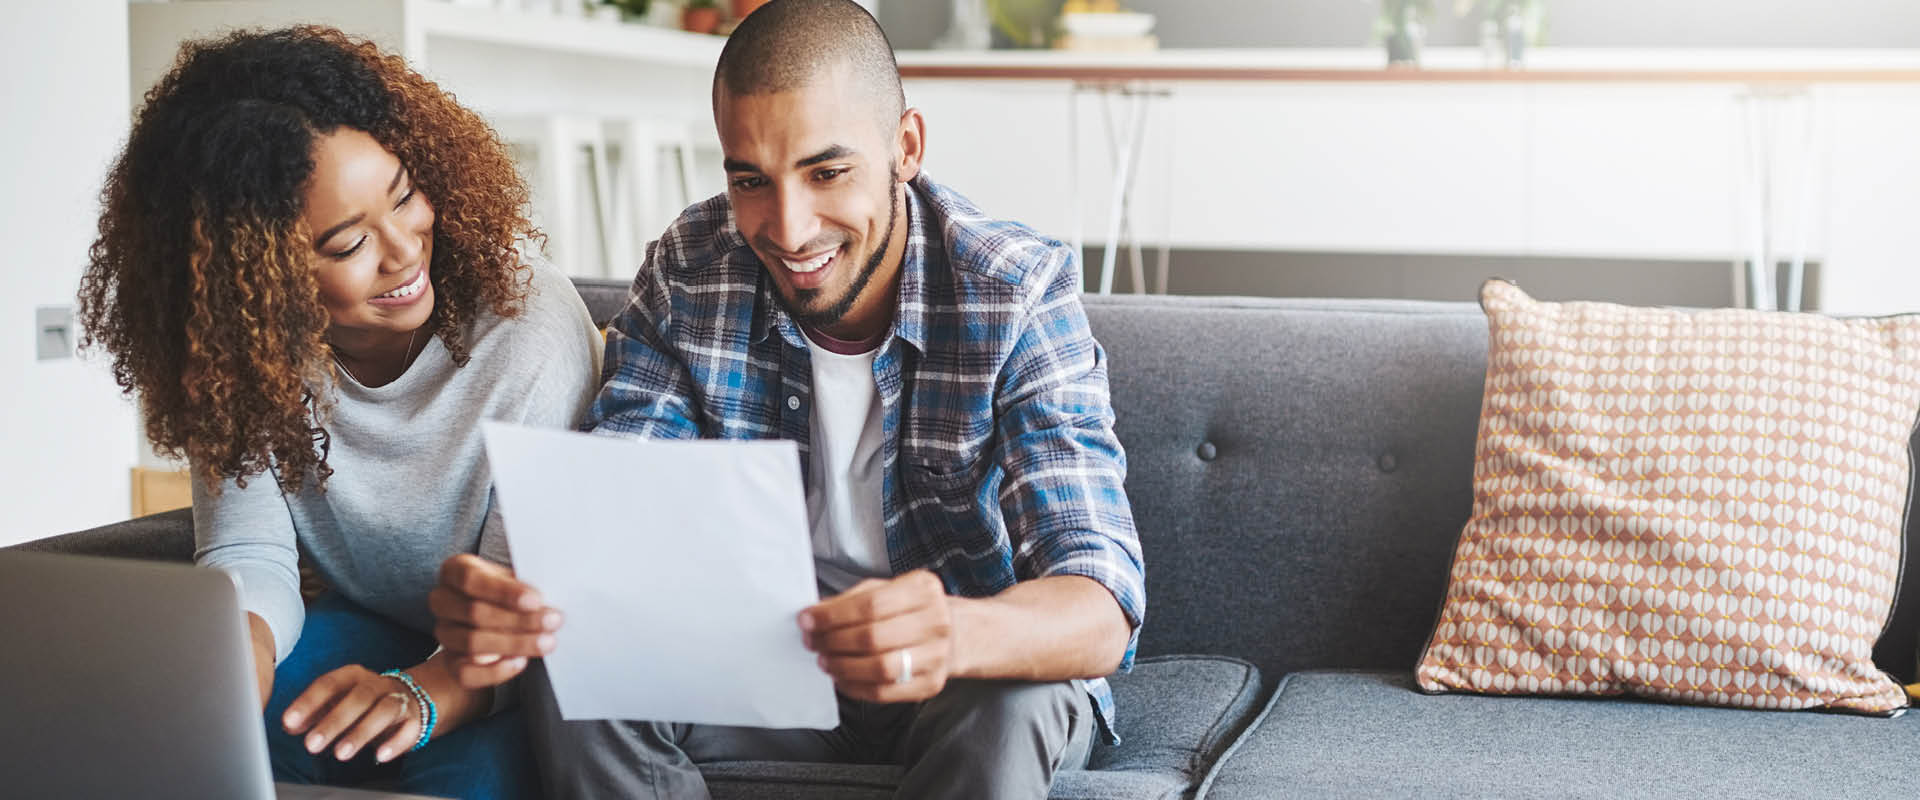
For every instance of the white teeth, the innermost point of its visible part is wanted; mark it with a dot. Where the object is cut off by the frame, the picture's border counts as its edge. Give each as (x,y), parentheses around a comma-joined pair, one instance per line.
(409,290)
(811,264)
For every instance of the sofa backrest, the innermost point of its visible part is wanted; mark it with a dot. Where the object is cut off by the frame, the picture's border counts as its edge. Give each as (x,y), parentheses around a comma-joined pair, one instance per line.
(1300,471)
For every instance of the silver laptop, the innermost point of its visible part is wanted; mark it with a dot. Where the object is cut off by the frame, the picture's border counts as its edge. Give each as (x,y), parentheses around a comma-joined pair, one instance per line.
(130,679)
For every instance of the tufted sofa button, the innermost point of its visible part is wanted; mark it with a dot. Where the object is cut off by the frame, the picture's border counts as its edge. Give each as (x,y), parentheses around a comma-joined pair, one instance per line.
(1388,463)
(1207,452)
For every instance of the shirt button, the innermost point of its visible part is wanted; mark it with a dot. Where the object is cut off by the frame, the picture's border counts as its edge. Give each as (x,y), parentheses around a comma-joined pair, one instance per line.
(793,402)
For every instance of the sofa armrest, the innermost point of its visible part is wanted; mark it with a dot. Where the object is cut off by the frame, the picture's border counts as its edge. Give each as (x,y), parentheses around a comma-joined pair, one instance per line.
(167,536)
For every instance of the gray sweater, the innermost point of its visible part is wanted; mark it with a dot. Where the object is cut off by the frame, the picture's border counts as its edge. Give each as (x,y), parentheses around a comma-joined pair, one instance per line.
(410,484)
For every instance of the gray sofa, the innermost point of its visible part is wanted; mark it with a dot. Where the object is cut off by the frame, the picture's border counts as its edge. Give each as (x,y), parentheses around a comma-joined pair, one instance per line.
(1300,471)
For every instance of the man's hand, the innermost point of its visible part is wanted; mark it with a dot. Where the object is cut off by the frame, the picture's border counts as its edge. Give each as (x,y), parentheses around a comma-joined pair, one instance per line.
(488,621)
(862,634)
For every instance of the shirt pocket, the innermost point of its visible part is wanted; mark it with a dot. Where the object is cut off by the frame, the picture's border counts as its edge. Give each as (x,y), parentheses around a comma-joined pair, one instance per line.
(945,507)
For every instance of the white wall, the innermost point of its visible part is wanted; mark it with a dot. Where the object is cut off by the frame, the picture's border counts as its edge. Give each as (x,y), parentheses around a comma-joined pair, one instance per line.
(67,438)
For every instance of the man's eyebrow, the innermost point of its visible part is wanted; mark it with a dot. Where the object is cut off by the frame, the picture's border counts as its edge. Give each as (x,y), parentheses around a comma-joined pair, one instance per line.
(832,152)
(829,154)
(322,240)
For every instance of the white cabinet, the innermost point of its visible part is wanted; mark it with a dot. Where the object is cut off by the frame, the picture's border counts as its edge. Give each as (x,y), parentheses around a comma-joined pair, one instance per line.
(1873,251)
(1634,171)
(1665,169)
(1367,167)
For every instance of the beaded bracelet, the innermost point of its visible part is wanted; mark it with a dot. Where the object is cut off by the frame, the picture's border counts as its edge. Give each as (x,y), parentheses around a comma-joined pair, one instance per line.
(429,714)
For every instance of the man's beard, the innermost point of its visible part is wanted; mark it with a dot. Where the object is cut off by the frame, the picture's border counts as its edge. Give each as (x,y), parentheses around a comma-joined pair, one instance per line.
(821,319)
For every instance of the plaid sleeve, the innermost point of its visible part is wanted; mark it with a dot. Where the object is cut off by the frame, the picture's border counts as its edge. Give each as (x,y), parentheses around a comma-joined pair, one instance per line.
(1063,498)
(645,389)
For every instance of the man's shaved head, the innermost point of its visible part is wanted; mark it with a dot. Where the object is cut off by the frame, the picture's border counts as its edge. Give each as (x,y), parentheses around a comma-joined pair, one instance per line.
(787,44)
(818,146)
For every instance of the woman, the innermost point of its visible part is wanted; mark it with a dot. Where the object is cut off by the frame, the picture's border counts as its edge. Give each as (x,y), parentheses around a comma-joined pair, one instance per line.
(309,271)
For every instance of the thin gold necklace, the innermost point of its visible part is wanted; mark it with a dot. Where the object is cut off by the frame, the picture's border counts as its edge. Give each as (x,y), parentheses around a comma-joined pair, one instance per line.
(404,357)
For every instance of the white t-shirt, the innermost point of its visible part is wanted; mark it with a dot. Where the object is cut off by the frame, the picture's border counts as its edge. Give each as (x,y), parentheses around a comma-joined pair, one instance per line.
(846,470)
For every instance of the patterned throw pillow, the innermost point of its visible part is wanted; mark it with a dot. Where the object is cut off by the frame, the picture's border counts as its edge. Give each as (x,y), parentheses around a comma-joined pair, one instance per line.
(1702,507)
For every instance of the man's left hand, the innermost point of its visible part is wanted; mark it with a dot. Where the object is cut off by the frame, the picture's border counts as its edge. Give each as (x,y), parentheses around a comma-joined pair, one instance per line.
(885,641)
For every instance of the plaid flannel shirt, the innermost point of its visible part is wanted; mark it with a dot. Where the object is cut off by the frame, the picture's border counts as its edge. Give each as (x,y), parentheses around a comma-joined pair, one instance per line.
(1000,459)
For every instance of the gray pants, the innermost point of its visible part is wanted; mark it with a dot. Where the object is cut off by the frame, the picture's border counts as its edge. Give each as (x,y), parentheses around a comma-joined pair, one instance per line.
(977,739)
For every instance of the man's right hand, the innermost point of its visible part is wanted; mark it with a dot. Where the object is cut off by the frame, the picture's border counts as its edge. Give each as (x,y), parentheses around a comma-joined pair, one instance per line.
(488,621)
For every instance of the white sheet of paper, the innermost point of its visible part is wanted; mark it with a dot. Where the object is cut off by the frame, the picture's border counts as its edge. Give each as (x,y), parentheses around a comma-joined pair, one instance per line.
(681,567)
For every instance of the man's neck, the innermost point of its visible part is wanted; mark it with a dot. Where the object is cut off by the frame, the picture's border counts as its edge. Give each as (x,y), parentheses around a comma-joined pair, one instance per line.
(845,347)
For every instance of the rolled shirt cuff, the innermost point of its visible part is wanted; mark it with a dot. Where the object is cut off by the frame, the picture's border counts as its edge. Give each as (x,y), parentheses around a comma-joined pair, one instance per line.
(276,598)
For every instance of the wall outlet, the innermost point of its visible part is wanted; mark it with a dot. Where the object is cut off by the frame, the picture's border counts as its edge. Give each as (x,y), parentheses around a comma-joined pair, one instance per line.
(53,332)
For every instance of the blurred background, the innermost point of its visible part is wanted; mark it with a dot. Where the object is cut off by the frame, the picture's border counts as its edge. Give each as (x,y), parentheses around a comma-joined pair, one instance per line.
(1753,153)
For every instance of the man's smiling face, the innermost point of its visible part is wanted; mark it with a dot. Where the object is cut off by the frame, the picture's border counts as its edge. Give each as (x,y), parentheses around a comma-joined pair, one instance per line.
(815,184)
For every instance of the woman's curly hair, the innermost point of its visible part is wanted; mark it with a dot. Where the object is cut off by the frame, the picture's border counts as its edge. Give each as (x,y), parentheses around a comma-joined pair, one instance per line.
(201,284)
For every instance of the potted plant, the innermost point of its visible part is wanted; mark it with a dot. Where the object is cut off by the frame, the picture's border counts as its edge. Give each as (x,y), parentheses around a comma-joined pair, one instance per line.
(629,9)
(1025,23)
(701,16)
(1515,23)
(1402,25)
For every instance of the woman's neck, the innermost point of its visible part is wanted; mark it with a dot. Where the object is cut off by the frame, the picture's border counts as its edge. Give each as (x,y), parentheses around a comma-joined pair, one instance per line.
(376,358)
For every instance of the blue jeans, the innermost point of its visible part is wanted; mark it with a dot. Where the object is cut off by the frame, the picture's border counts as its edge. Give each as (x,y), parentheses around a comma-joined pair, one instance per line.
(485,759)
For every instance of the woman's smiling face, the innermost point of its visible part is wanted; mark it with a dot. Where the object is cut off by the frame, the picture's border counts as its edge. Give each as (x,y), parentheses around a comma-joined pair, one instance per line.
(372,238)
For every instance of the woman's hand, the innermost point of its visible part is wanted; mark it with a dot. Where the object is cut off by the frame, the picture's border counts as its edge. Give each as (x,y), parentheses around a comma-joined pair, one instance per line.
(351,707)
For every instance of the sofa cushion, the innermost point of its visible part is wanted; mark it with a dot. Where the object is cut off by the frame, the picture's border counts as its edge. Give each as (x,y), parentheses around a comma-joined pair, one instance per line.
(1704,507)
(1176,714)
(776,780)
(1366,735)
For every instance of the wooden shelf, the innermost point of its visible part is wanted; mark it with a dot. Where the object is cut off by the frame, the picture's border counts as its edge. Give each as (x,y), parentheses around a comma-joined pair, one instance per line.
(1441,65)
(556,34)
(414,26)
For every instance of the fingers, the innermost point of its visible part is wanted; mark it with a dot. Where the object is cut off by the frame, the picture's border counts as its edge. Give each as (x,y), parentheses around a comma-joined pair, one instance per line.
(885,667)
(451,605)
(862,634)
(401,740)
(877,678)
(488,582)
(347,710)
(472,674)
(472,642)
(490,617)
(870,601)
(318,697)
(923,624)
(386,711)
(914,691)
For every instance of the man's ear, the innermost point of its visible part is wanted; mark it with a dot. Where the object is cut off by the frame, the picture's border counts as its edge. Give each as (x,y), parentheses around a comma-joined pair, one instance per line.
(912,141)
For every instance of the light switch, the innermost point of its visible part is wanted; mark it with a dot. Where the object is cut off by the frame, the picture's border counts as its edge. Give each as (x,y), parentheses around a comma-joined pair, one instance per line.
(53,332)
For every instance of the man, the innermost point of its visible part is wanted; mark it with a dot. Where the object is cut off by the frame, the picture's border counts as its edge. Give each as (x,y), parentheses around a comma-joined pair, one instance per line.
(963,481)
